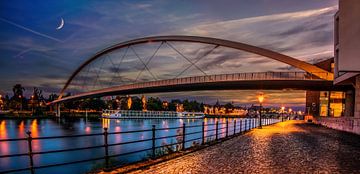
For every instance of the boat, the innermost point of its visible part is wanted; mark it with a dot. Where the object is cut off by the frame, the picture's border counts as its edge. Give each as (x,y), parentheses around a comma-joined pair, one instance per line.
(118,114)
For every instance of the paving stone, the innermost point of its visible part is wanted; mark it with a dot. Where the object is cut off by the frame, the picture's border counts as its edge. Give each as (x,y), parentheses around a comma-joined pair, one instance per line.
(288,147)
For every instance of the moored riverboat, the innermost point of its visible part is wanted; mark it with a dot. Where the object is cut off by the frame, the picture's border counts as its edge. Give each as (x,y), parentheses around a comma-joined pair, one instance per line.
(121,114)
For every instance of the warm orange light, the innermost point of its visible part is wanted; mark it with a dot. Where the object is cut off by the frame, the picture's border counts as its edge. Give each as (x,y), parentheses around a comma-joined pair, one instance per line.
(260,97)
(290,109)
(283,108)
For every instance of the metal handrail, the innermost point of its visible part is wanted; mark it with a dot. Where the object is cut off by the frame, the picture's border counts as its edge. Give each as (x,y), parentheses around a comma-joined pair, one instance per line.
(243,125)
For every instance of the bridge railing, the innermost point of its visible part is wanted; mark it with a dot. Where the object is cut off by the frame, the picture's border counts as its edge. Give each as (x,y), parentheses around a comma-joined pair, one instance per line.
(227,77)
(188,136)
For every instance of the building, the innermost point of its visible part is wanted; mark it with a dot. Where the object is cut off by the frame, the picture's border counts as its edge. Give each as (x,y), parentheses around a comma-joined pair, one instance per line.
(346,113)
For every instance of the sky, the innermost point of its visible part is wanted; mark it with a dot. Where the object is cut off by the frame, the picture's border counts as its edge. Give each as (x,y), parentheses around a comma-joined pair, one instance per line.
(35,53)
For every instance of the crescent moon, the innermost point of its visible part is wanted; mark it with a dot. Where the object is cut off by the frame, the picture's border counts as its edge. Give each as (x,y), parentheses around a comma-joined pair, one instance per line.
(61,24)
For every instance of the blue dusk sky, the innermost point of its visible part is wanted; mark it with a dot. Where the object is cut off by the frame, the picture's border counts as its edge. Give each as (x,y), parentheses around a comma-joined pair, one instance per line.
(35,53)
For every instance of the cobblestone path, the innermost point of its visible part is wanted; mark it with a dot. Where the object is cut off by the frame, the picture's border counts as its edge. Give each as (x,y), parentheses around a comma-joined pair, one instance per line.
(288,147)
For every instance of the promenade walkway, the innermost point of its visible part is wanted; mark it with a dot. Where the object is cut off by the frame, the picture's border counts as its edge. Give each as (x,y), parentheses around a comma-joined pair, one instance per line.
(288,147)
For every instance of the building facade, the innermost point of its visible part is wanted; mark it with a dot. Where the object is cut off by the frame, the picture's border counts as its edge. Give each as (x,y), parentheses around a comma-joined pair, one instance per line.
(346,113)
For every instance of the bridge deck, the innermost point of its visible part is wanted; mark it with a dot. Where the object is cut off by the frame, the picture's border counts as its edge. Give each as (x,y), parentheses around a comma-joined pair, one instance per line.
(260,80)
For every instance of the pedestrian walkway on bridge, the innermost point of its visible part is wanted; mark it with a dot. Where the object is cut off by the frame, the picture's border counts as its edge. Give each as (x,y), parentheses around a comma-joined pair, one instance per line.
(287,147)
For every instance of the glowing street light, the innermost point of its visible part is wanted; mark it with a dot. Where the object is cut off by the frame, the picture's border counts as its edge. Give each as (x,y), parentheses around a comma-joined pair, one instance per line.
(261,99)
(290,110)
(282,113)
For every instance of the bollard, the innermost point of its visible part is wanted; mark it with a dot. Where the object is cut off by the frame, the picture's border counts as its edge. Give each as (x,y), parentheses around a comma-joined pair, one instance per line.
(183,141)
(203,132)
(153,141)
(29,139)
(106,145)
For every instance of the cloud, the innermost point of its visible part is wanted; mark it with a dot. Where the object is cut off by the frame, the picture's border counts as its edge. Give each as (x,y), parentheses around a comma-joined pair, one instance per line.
(306,35)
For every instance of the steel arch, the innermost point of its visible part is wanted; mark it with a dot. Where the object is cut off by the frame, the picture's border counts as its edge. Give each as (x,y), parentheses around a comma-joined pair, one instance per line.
(321,73)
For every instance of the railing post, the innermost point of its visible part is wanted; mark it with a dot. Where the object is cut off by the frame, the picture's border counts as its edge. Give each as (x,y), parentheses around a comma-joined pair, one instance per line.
(240,125)
(29,139)
(234,127)
(106,145)
(216,130)
(183,141)
(153,141)
(227,128)
(252,123)
(245,125)
(203,132)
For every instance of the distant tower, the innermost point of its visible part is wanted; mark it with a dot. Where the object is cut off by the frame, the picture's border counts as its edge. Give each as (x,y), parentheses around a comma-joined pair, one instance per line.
(129,102)
(143,101)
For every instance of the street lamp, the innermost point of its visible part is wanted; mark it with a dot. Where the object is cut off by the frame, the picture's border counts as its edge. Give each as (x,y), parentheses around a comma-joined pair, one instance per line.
(32,104)
(21,105)
(282,113)
(1,102)
(261,99)
(290,110)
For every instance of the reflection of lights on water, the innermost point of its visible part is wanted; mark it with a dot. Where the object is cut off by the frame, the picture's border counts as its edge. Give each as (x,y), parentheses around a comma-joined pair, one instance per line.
(165,125)
(3,129)
(4,146)
(181,121)
(21,127)
(117,129)
(34,128)
(88,129)
(105,123)
(117,121)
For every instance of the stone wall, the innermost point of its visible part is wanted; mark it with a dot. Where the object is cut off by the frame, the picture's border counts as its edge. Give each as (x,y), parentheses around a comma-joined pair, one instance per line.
(348,124)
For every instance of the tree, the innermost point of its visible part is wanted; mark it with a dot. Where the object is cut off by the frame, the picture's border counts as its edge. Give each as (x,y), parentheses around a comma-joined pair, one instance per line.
(18,102)
(18,90)
(228,106)
(173,103)
(136,104)
(154,104)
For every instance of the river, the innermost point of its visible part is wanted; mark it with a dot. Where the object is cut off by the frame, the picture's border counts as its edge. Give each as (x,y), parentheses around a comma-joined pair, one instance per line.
(16,128)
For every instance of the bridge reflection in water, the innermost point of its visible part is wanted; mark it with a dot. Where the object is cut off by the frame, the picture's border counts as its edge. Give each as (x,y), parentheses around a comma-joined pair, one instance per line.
(82,146)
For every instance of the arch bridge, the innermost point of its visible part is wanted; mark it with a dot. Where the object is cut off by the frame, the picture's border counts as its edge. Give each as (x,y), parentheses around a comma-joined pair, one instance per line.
(312,76)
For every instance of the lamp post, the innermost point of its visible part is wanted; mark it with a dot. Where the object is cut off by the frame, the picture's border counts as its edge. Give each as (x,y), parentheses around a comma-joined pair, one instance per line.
(261,99)
(1,102)
(282,113)
(32,105)
(290,111)
(21,105)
